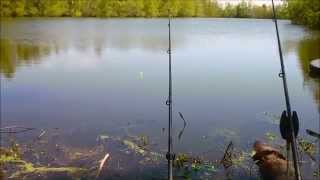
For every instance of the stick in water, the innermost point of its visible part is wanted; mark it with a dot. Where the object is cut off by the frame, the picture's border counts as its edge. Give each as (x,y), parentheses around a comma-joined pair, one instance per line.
(102,163)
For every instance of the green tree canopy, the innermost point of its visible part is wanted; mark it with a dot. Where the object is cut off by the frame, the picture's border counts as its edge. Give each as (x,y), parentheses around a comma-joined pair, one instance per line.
(150,8)
(306,12)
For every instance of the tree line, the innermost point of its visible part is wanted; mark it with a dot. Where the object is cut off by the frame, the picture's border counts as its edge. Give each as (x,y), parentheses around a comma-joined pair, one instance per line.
(305,12)
(133,8)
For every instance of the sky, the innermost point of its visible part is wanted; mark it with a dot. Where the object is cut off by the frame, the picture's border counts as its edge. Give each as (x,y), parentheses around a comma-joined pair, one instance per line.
(255,2)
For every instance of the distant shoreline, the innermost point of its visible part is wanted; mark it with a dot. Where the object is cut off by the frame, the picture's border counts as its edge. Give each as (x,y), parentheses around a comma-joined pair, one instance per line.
(141,8)
(304,12)
(143,17)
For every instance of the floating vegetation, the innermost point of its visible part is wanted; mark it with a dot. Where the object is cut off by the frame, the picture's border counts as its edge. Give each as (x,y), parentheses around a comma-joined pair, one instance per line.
(46,157)
(102,138)
(270,136)
(45,160)
(181,160)
(224,134)
(144,140)
(13,151)
(10,162)
(189,167)
(307,147)
(237,162)
(135,147)
(272,118)
(147,155)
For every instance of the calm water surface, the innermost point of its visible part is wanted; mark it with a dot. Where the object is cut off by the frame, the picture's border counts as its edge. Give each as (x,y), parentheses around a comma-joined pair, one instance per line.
(95,76)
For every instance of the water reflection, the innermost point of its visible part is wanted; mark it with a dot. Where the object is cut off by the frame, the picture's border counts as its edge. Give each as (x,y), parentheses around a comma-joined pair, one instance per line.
(97,76)
(15,54)
(308,50)
(33,40)
(208,52)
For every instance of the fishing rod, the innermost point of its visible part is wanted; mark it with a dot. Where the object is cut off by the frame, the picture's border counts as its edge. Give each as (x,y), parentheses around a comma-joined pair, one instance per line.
(289,124)
(170,155)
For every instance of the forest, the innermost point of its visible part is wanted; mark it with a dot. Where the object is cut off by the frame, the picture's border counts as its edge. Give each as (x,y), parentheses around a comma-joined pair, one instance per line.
(306,12)
(132,8)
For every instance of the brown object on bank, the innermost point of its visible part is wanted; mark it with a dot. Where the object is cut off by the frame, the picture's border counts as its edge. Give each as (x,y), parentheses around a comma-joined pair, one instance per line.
(272,164)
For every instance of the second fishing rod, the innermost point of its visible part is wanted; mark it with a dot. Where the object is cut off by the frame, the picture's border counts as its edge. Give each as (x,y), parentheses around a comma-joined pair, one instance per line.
(170,155)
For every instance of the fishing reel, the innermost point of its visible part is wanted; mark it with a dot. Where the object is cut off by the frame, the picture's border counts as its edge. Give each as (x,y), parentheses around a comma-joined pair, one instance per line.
(285,128)
(170,156)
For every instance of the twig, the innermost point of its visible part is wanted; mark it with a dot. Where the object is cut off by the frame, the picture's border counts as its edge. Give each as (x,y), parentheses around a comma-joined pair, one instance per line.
(312,133)
(227,157)
(102,163)
(43,132)
(184,125)
(15,129)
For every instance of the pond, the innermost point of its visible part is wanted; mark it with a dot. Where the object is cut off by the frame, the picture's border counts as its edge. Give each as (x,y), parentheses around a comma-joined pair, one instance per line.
(90,77)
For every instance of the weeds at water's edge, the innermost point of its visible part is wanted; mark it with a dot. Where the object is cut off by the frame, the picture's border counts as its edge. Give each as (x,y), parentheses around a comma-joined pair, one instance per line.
(21,168)
(75,163)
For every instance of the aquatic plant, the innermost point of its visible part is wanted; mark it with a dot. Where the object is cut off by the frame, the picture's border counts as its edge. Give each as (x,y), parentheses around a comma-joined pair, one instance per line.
(189,166)
(144,140)
(23,168)
(308,148)
(135,147)
(270,136)
(180,160)
(78,162)
(272,118)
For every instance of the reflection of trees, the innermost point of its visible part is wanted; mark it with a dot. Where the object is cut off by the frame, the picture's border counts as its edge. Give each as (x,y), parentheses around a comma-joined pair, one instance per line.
(290,46)
(14,54)
(308,50)
(7,60)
